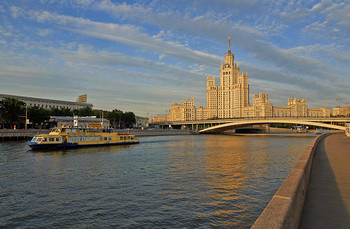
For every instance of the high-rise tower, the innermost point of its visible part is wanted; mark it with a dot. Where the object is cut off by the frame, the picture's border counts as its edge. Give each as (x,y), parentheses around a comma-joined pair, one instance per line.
(229,99)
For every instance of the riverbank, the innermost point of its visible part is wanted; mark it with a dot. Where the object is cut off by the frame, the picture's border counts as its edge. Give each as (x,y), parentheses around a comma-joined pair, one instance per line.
(316,192)
(327,203)
(285,208)
(20,134)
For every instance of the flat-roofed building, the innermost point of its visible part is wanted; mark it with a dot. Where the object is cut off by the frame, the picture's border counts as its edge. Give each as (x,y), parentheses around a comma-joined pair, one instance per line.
(82,98)
(160,118)
(323,112)
(341,111)
(182,112)
(281,112)
(202,113)
(48,103)
(141,122)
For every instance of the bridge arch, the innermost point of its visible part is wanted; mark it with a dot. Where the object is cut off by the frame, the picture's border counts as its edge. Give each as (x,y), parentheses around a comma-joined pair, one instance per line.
(244,123)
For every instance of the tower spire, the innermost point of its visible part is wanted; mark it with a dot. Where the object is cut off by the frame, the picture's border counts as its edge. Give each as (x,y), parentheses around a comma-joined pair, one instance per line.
(229,44)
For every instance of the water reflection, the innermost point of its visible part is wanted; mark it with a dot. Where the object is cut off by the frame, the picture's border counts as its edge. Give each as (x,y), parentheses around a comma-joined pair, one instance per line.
(226,170)
(83,150)
(164,182)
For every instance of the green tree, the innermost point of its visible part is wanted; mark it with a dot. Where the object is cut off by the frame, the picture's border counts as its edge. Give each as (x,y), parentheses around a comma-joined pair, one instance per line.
(97,113)
(61,112)
(86,111)
(129,119)
(38,115)
(115,117)
(11,111)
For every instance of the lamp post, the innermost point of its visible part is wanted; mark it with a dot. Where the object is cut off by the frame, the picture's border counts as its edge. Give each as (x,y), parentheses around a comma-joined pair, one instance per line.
(26,118)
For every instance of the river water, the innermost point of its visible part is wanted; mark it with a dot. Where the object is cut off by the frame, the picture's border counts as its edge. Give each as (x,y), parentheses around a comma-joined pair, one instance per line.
(192,181)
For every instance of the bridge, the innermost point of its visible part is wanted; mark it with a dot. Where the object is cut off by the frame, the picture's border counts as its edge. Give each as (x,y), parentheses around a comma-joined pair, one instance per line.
(244,123)
(220,125)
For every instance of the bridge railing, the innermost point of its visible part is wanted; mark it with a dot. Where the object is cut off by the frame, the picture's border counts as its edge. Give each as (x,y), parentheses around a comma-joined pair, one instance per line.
(321,119)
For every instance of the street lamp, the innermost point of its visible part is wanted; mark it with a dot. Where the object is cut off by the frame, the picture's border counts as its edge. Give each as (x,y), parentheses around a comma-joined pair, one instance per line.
(25,127)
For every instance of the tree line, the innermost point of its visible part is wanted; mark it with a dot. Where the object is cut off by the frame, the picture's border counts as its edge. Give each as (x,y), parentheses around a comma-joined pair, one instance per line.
(13,112)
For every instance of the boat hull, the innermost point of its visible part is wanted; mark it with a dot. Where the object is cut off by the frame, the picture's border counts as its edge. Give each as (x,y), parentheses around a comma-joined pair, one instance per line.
(36,146)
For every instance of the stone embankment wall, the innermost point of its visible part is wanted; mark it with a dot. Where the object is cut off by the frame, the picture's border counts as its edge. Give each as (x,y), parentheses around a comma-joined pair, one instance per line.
(286,206)
(20,134)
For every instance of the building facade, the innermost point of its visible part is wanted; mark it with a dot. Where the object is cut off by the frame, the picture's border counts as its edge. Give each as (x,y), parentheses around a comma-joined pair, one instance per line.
(230,99)
(48,103)
(187,111)
(82,98)
(160,118)
(141,122)
(341,111)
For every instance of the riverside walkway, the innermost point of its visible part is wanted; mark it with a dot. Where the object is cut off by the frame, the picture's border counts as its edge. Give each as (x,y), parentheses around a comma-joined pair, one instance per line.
(327,203)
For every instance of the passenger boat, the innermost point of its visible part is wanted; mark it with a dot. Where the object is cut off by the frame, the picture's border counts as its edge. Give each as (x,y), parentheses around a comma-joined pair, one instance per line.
(72,137)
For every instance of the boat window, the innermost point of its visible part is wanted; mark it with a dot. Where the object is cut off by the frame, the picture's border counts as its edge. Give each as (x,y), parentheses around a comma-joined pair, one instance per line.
(58,139)
(109,138)
(68,131)
(74,130)
(70,139)
(51,139)
(105,138)
(34,139)
(44,139)
(38,139)
(81,139)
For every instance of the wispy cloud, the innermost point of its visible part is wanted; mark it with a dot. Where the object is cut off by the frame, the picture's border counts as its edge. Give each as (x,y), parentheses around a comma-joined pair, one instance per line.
(171,73)
(126,34)
(243,37)
(329,17)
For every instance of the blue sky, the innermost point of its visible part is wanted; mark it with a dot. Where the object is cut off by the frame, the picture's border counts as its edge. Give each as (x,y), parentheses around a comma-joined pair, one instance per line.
(141,56)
